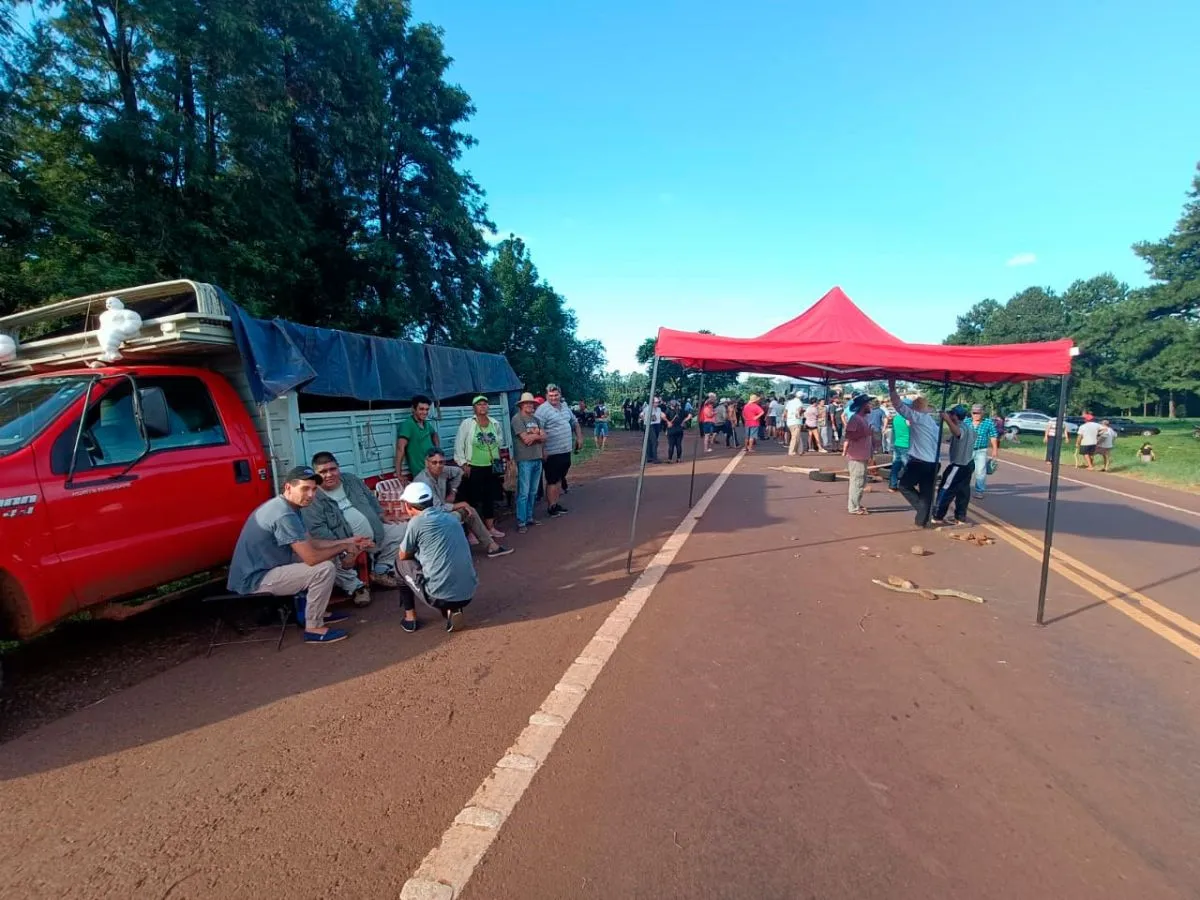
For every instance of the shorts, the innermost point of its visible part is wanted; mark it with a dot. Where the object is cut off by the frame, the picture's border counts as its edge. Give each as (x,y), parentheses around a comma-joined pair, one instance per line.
(753,432)
(601,429)
(707,428)
(1088,449)
(556,467)
(770,421)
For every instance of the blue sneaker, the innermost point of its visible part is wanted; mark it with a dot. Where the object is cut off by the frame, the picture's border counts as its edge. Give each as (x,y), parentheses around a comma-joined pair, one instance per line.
(332,617)
(332,636)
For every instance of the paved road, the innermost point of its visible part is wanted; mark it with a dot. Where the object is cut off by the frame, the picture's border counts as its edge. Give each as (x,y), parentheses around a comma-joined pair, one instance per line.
(774,728)
(1145,545)
(772,725)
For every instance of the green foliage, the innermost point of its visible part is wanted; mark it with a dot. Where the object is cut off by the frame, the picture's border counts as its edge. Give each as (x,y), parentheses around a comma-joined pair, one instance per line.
(303,154)
(522,316)
(1134,346)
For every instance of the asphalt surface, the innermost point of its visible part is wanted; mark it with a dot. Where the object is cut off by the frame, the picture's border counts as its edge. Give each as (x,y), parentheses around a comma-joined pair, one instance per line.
(773,725)
(1144,545)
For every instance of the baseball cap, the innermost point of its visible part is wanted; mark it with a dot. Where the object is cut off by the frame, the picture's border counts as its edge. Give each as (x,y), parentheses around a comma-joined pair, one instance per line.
(303,473)
(977,408)
(959,412)
(479,399)
(539,399)
(417,493)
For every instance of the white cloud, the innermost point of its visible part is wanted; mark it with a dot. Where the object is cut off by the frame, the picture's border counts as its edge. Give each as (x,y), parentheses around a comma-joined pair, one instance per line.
(1022,259)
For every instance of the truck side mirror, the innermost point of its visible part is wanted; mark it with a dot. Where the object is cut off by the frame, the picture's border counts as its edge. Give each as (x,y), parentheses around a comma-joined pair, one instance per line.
(156,418)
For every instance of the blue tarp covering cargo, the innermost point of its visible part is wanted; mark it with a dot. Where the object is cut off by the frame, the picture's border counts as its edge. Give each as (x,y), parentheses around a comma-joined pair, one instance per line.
(282,356)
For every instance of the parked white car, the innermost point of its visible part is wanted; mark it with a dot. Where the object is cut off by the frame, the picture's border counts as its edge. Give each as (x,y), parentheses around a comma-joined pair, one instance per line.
(1030,421)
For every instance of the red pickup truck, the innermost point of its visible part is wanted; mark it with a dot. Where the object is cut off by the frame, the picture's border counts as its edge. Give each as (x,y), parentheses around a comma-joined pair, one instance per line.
(118,477)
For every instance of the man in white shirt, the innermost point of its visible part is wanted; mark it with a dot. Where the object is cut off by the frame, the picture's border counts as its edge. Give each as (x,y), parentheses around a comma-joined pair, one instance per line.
(794,411)
(917,482)
(774,414)
(1086,440)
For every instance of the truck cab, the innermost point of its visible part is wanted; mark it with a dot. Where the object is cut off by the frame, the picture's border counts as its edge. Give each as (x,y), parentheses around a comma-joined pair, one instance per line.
(115,480)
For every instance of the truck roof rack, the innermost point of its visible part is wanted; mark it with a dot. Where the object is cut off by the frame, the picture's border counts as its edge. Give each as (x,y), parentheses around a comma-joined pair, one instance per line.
(179,318)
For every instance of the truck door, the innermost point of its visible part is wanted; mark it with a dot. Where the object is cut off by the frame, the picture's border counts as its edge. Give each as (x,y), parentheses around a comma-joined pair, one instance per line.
(176,512)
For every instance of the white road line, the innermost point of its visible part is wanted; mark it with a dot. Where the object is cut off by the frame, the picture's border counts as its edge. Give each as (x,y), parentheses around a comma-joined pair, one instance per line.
(1191,512)
(447,868)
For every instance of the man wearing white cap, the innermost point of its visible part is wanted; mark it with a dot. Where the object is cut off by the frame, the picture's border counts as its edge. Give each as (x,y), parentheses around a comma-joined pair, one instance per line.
(435,558)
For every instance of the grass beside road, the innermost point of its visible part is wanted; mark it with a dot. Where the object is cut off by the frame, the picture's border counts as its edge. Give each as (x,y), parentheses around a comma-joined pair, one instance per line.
(1177,454)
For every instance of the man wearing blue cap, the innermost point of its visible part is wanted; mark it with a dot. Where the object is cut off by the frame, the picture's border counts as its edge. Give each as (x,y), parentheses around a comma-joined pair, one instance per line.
(956,477)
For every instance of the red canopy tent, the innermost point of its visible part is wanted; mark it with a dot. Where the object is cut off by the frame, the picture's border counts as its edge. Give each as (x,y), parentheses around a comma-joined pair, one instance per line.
(836,342)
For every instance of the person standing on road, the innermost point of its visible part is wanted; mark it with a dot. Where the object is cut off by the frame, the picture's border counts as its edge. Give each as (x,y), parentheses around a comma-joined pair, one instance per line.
(956,477)
(477,453)
(811,427)
(435,559)
(987,447)
(414,437)
(1105,442)
(876,418)
(753,413)
(443,482)
(675,420)
(794,416)
(529,442)
(1086,440)
(708,421)
(920,473)
(858,451)
(343,507)
(654,421)
(560,426)
(600,427)
(276,555)
(1051,439)
(900,439)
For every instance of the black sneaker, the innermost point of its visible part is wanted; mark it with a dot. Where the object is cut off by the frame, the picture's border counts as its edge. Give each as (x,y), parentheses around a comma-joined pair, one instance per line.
(556,511)
(521,529)
(500,550)
(409,625)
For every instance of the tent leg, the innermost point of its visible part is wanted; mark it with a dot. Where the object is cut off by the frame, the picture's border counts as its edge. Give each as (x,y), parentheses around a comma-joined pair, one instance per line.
(696,443)
(1052,501)
(637,497)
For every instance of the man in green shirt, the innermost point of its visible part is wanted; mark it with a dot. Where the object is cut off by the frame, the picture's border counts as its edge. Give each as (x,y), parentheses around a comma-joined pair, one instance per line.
(415,437)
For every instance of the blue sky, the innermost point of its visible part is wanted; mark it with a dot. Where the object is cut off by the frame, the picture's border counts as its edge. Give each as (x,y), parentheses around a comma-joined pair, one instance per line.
(705,165)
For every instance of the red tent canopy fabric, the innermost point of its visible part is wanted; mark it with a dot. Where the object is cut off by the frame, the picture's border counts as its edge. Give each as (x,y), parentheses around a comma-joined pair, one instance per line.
(836,340)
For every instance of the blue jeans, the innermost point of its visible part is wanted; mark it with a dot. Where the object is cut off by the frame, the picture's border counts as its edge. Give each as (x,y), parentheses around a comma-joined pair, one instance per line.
(652,448)
(529,476)
(981,459)
(899,461)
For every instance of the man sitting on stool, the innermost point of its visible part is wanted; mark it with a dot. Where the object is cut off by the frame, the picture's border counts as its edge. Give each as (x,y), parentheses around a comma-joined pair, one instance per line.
(435,558)
(443,481)
(344,508)
(271,542)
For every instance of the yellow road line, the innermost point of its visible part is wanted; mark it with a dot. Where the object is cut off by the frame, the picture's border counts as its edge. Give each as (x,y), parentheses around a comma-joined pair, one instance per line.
(1085,577)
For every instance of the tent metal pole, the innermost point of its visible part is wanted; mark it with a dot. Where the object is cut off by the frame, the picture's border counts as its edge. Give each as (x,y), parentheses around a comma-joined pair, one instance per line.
(637,497)
(1052,500)
(696,443)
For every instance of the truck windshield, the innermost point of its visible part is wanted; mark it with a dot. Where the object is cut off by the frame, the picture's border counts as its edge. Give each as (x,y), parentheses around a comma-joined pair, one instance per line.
(26,407)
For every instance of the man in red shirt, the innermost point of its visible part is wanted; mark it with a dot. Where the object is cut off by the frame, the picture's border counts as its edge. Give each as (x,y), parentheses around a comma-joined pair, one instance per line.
(708,421)
(857,450)
(752,414)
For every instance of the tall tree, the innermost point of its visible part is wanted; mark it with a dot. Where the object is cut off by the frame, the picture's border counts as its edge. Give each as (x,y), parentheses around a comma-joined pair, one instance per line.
(523,317)
(1174,264)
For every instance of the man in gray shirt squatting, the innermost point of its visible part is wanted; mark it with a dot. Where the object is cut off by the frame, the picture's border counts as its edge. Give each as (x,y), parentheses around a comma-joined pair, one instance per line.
(435,558)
